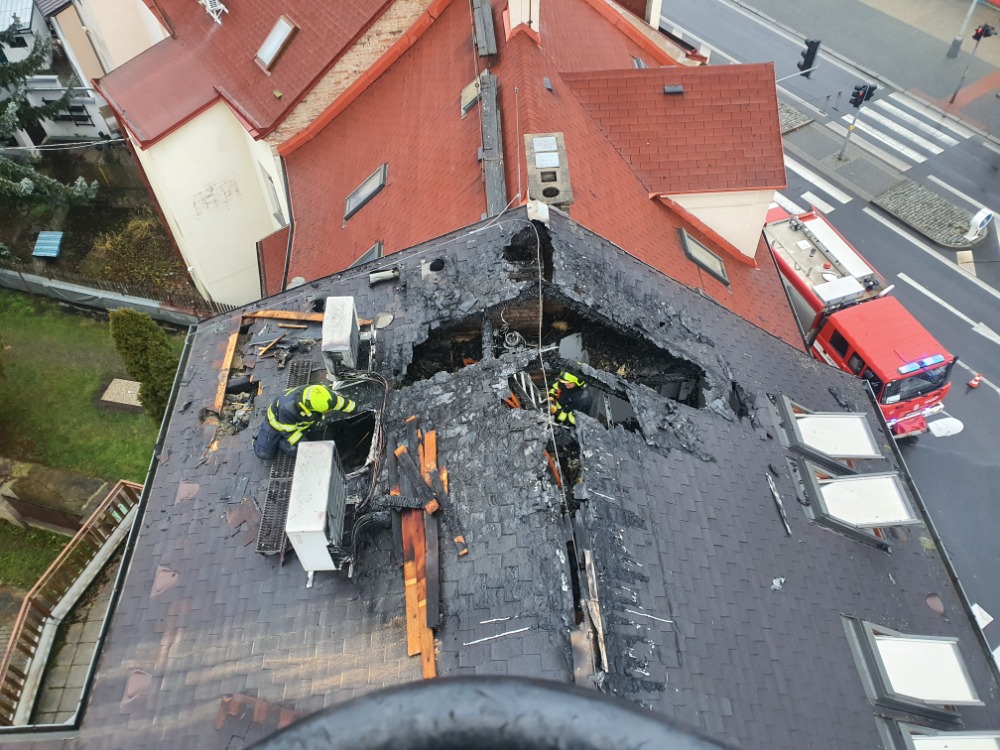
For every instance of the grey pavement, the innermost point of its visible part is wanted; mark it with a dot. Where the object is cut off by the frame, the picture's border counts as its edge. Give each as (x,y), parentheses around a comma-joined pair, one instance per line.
(916,205)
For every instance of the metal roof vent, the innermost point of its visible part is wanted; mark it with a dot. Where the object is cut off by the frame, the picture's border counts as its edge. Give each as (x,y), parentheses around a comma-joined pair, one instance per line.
(215,9)
(673,89)
(548,172)
(341,335)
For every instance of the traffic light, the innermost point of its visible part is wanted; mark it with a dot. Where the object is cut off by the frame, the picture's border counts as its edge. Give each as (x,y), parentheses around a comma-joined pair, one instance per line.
(983,32)
(869,91)
(808,61)
(858,96)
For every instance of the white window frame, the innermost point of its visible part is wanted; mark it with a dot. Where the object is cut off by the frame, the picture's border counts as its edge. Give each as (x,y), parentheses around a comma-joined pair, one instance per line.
(900,735)
(276,43)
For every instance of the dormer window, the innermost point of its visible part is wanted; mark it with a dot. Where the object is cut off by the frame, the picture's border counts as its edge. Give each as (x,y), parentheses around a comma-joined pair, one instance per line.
(276,42)
(925,675)
(899,735)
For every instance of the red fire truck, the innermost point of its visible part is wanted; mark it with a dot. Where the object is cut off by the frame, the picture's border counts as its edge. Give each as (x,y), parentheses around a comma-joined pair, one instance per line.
(847,320)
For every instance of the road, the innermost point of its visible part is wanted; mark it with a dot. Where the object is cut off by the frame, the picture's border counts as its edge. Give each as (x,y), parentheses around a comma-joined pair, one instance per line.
(957,470)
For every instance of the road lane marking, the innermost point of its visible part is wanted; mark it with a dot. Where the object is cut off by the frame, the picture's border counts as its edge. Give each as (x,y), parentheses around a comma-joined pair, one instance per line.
(790,206)
(920,245)
(885,122)
(963,196)
(801,102)
(981,328)
(915,122)
(807,174)
(984,381)
(928,293)
(991,147)
(818,202)
(861,143)
(888,140)
(930,114)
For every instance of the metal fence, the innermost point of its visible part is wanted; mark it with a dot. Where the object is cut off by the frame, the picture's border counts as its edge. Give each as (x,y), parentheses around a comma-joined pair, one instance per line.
(25,649)
(187,302)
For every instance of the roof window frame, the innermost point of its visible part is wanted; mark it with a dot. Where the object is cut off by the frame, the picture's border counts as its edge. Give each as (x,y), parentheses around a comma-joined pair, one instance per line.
(818,510)
(370,187)
(692,247)
(899,735)
(795,439)
(375,252)
(279,40)
(862,636)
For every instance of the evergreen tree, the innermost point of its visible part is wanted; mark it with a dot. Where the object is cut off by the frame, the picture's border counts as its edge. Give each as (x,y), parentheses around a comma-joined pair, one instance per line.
(18,179)
(148,357)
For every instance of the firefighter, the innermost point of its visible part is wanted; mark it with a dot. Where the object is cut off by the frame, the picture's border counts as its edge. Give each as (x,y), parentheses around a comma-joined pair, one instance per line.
(293,414)
(566,396)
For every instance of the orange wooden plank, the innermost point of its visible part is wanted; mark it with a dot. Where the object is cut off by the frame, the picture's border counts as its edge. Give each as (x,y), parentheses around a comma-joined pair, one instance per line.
(414,622)
(428,665)
(286,315)
(429,457)
(227,363)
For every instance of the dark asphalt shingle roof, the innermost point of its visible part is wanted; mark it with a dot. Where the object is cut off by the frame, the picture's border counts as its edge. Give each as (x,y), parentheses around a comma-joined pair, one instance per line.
(676,516)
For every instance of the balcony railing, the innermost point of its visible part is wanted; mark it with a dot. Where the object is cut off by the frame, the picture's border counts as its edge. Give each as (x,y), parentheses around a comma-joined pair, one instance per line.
(56,592)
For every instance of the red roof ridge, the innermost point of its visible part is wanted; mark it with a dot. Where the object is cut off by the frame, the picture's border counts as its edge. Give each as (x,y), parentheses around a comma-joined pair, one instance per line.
(407,40)
(705,229)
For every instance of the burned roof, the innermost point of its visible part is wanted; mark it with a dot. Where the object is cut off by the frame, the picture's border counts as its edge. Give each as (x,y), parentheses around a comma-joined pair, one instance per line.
(640,553)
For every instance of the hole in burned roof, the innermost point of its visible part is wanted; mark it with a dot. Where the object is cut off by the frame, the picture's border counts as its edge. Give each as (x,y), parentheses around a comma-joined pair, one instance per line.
(524,249)
(740,401)
(447,349)
(353,436)
(436,265)
(628,355)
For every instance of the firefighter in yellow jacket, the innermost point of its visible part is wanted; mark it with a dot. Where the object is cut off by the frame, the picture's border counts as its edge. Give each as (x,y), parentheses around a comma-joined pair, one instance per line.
(293,414)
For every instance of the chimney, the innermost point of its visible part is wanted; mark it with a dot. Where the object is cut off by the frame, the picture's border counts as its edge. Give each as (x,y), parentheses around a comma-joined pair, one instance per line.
(548,172)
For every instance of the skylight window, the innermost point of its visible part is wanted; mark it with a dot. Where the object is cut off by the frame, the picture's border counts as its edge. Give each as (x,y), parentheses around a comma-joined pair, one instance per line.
(638,62)
(899,735)
(703,257)
(826,437)
(276,42)
(375,252)
(366,191)
(920,674)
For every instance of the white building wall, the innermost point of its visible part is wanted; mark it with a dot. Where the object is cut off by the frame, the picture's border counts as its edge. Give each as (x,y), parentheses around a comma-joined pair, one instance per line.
(737,216)
(119,29)
(207,177)
(32,27)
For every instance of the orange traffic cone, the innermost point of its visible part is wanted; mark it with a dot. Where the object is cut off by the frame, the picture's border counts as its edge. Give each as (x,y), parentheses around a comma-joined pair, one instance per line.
(974,383)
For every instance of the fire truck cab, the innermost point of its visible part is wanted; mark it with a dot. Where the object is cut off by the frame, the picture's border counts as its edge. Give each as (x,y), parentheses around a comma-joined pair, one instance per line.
(845,318)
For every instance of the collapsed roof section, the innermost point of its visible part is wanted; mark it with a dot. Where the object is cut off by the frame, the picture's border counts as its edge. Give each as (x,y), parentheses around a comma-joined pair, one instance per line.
(648,560)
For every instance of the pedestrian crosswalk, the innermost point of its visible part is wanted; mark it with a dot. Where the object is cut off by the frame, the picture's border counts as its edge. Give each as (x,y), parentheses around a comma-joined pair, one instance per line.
(897,128)
(910,131)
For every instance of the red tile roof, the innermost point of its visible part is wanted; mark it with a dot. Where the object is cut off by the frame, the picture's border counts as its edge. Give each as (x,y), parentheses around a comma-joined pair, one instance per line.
(204,61)
(409,118)
(721,133)
(624,138)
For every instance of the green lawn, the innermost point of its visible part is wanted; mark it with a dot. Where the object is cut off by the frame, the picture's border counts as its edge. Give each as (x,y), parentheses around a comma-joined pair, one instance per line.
(26,553)
(56,364)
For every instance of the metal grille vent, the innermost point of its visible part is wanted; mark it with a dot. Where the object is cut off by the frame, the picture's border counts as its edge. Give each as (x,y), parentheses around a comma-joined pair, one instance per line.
(271,535)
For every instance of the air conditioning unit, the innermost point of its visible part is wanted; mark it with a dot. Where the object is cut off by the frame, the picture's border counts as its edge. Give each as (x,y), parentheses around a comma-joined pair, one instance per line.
(548,173)
(316,506)
(341,335)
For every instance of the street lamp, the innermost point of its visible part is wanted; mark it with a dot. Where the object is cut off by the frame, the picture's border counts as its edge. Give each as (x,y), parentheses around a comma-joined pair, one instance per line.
(956,43)
(981,32)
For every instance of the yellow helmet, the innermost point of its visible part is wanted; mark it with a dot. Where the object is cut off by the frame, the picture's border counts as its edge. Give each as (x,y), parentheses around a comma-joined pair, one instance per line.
(569,379)
(317,398)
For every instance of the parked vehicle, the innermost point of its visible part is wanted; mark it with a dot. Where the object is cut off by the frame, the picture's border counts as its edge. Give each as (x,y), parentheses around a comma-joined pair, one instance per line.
(847,319)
